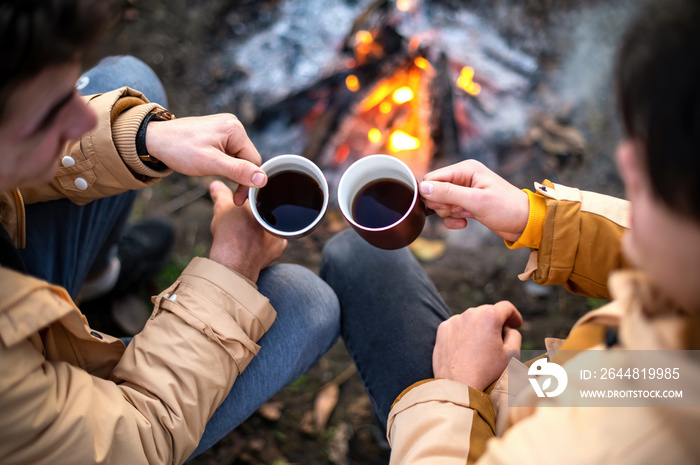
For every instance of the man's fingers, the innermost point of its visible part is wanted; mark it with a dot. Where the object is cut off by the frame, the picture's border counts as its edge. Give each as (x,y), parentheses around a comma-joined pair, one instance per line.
(512,339)
(221,195)
(438,206)
(247,151)
(242,172)
(461,173)
(508,314)
(455,223)
(243,160)
(446,193)
(240,195)
(238,144)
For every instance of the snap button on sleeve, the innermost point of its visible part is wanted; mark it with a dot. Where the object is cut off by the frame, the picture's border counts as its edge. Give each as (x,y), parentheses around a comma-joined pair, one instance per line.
(67,161)
(81,184)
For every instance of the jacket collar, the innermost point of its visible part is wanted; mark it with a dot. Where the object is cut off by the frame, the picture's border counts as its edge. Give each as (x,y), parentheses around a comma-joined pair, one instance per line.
(646,319)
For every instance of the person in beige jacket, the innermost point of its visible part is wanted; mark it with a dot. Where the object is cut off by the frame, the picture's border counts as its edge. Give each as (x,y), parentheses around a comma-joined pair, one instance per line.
(451,390)
(210,354)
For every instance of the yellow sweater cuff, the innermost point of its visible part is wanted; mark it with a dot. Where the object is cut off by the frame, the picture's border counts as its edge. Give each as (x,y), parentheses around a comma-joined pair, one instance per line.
(532,235)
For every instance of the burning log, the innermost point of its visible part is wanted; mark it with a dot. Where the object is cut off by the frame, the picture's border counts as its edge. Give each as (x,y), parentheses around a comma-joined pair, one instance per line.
(443,123)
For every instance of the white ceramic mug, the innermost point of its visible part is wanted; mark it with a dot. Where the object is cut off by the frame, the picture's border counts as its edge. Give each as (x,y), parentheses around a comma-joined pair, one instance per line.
(287,163)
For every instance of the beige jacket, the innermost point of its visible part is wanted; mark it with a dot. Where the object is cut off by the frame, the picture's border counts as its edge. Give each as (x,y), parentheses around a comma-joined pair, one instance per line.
(69,394)
(443,422)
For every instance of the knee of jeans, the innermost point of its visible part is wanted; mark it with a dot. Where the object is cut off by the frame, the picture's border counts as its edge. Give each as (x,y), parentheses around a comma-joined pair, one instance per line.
(339,251)
(314,300)
(153,87)
(140,76)
(347,256)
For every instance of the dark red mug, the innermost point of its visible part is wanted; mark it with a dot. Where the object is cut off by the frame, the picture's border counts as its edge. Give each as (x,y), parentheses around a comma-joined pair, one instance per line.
(407,221)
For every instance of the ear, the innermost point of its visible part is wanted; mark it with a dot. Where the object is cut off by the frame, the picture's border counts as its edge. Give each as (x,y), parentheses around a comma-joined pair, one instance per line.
(629,162)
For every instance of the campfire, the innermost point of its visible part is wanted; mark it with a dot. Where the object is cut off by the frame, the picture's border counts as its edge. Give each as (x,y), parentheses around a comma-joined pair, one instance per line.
(402,112)
(420,81)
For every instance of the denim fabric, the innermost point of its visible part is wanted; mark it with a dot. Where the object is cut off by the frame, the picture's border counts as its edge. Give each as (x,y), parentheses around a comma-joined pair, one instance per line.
(65,239)
(390,311)
(118,71)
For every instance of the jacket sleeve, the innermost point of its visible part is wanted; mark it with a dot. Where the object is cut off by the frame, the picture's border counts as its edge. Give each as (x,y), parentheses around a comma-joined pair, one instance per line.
(440,422)
(104,161)
(581,240)
(154,405)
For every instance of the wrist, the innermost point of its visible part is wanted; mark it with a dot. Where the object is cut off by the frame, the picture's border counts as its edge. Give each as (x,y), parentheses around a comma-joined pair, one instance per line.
(239,265)
(142,137)
(248,274)
(532,233)
(251,278)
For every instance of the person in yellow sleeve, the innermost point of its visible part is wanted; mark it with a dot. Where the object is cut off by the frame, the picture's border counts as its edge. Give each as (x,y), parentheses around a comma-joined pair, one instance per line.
(440,383)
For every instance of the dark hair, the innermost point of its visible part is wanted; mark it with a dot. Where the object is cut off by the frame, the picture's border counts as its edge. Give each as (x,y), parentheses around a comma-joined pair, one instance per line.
(658,87)
(35,34)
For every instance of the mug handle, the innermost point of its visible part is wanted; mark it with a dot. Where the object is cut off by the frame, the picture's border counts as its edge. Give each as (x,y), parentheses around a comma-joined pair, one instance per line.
(428,211)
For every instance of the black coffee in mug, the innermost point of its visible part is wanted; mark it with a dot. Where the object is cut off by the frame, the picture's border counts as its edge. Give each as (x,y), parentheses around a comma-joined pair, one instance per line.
(290,201)
(381,203)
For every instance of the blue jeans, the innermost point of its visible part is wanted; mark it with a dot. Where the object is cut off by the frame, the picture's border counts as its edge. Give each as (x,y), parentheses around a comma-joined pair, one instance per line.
(64,241)
(390,311)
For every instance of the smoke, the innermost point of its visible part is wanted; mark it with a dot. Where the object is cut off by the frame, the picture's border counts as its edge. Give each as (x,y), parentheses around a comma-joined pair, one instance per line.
(586,74)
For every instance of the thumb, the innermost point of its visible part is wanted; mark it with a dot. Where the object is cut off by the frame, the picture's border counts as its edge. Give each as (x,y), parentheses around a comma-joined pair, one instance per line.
(243,172)
(512,339)
(221,195)
(445,193)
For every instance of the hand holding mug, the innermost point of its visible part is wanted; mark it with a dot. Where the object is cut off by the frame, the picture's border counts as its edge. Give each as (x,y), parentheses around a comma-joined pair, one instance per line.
(470,190)
(239,242)
(208,145)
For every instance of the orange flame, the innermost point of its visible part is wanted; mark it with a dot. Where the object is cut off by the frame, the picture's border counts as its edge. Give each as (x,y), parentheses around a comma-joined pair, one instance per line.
(422,63)
(364,37)
(394,117)
(366,47)
(402,95)
(374,135)
(352,83)
(399,140)
(466,81)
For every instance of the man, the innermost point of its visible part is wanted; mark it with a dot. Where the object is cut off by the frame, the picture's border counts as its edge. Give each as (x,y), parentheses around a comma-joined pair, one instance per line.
(70,394)
(440,381)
